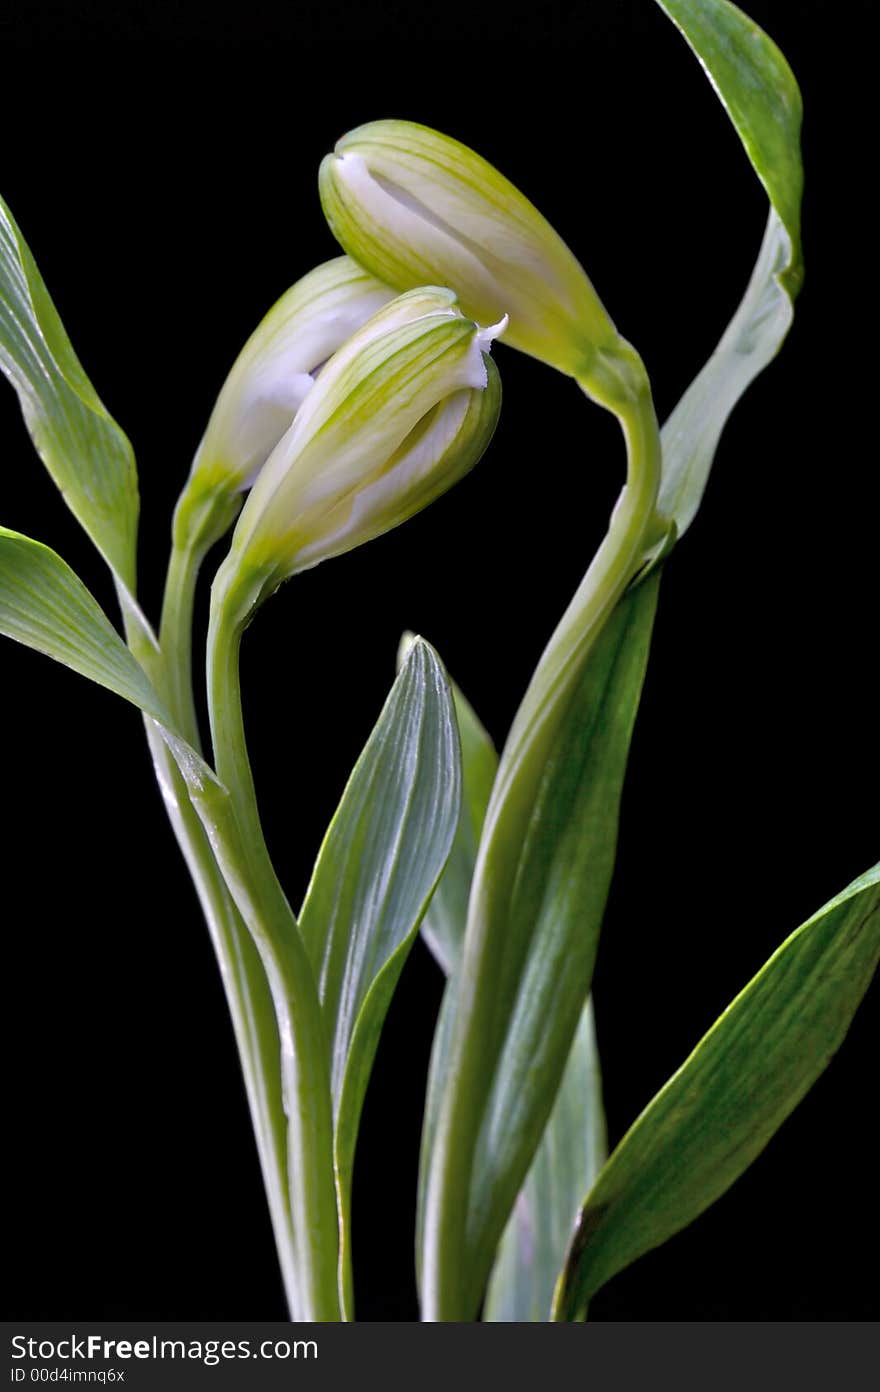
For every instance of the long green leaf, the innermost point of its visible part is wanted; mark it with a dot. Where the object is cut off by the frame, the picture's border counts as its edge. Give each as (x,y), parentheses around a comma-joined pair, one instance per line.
(45,606)
(717,1113)
(573,1145)
(561,870)
(550,921)
(379,863)
(84,450)
(444,922)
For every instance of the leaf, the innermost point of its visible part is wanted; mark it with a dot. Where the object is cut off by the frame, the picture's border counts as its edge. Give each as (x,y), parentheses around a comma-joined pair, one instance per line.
(758,90)
(565,1166)
(380,860)
(44,605)
(717,1113)
(84,450)
(561,871)
(510,1056)
(444,922)
(573,1146)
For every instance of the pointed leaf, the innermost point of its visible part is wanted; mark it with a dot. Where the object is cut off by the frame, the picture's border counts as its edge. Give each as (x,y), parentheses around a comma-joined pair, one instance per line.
(86,453)
(573,1146)
(386,847)
(717,1113)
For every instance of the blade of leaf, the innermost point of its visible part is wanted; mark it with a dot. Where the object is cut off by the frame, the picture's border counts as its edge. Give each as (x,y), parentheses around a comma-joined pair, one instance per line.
(717,1113)
(380,860)
(562,873)
(511,1109)
(566,1163)
(45,606)
(758,90)
(446,916)
(573,1146)
(84,450)
(444,921)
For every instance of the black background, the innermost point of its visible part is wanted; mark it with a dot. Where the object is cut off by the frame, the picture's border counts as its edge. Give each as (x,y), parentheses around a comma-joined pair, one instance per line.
(168,193)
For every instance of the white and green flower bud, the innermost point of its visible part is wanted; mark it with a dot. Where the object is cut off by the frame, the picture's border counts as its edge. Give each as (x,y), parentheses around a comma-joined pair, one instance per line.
(268,383)
(400,413)
(414,206)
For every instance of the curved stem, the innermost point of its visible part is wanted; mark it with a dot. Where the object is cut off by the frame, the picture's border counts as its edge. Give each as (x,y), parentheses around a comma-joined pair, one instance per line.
(454,1272)
(241,850)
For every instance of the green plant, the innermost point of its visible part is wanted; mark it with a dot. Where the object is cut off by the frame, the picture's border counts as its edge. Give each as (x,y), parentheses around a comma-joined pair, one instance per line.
(515,1056)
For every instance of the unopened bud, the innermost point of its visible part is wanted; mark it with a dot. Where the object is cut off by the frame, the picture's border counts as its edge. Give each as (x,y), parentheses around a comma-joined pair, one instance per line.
(397,416)
(414,206)
(271,378)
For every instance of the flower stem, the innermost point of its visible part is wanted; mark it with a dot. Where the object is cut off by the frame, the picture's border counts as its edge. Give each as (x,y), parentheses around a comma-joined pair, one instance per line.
(244,981)
(241,850)
(454,1272)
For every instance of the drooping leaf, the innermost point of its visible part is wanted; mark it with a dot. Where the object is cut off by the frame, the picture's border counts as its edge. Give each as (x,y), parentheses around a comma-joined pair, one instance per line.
(380,860)
(758,90)
(571,1153)
(44,605)
(717,1113)
(497,1087)
(84,450)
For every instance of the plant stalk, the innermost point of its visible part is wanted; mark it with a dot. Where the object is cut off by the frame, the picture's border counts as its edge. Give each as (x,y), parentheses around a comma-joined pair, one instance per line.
(454,1273)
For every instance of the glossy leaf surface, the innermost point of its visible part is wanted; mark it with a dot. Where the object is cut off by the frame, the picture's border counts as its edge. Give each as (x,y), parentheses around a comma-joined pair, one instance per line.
(386,847)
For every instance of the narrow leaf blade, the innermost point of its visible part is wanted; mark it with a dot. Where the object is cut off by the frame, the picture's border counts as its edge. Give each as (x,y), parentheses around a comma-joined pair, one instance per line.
(44,605)
(381,858)
(84,450)
(718,1112)
(758,90)
(444,922)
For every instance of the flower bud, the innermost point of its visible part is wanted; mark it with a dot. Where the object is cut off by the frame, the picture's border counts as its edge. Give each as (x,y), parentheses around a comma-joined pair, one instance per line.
(414,206)
(272,375)
(397,415)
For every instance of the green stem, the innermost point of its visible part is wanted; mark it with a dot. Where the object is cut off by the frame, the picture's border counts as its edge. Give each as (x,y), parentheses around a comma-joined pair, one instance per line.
(244,981)
(241,850)
(454,1274)
(176,633)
